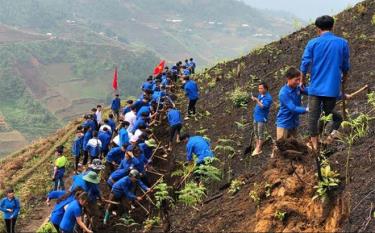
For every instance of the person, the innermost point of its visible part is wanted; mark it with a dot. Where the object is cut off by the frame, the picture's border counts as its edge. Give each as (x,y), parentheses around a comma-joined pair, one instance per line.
(260,115)
(98,114)
(287,119)
(141,121)
(148,84)
(116,175)
(192,65)
(73,214)
(89,182)
(127,108)
(130,161)
(77,147)
(123,190)
(111,122)
(94,146)
(113,159)
(123,133)
(63,199)
(174,117)
(10,206)
(115,106)
(105,138)
(59,169)
(86,137)
(327,56)
(106,125)
(192,92)
(131,117)
(199,146)
(147,147)
(145,101)
(94,118)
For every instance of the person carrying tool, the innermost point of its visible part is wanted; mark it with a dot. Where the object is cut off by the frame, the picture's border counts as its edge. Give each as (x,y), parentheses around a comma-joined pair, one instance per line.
(197,145)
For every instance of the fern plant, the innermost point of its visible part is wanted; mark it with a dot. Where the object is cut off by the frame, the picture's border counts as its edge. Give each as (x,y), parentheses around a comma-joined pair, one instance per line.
(191,194)
(207,171)
(162,195)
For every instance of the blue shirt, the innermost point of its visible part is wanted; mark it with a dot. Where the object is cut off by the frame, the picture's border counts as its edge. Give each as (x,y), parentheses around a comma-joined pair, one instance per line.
(147,86)
(112,124)
(328,57)
(116,104)
(58,210)
(115,155)
(191,90)
(290,107)
(73,211)
(13,204)
(116,175)
(174,117)
(125,187)
(139,103)
(105,138)
(126,110)
(186,72)
(143,109)
(199,146)
(77,146)
(130,163)
(124,136)
(261,114)
(86,138)
(137,123)
(146,151)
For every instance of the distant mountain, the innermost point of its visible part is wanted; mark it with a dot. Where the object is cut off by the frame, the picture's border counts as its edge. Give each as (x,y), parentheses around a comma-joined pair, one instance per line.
(206,29)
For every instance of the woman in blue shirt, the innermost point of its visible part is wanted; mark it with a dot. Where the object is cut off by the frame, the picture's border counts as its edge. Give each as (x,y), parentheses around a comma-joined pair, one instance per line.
(10,206)
(73,214)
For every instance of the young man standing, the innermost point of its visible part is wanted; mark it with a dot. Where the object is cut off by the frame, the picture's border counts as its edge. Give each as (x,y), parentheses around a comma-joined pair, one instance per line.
(192,92)
(260,115)
(290,105)
(115,106)
(327,56)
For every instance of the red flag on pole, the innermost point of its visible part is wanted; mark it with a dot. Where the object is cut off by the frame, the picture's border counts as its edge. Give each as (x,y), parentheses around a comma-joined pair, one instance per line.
(114,82)
(159,69)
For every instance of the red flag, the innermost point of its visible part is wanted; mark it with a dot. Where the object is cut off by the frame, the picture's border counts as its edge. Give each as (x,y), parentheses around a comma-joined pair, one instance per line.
(114,82)
(159,69)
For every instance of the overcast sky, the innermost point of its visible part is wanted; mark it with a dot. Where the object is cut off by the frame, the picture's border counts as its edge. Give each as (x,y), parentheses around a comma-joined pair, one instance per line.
(304,9)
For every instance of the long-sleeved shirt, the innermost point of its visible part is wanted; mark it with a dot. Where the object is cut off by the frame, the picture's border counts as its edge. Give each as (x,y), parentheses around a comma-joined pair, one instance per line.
(174,117)
(116,104)
(199,146)
(12,204)
(126,187)
(94,147)
(124,136)
(112,124)
(328,57)
(58,210)
(116,175)
(130,117)
(290,107)
(77,146)
(86,138)
(260,114)
(191,90)
(130,163)
(115,155)
(105,139)
(147,151)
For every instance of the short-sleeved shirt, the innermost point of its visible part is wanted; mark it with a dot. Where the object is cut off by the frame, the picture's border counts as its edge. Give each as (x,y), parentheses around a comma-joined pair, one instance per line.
(73,211)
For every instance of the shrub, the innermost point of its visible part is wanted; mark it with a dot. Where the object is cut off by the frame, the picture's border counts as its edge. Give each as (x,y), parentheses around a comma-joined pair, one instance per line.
(239,97)
(192,194)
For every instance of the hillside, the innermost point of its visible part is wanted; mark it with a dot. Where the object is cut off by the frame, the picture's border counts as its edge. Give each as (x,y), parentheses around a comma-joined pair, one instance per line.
(268,186)
(173,29)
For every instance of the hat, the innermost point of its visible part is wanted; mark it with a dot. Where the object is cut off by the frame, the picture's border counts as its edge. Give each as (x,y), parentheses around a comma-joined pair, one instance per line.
(92,177)
(96,165)
(151,142)
(134,173)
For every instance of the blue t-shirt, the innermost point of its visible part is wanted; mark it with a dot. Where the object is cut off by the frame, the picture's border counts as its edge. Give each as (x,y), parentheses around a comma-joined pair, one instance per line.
(73,211)
(174,117)
(261,114)
(13,204)
(191,90)
(199,146)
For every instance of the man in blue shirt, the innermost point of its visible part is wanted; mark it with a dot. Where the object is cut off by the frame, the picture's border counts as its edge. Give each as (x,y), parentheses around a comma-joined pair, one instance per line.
(192,65)
(174,117)
(123,190)
(113,159)
(327,58)
(148,84)
(199,146)
(287,120)
(260,115)
(115,106)
(192,93)
(105,137)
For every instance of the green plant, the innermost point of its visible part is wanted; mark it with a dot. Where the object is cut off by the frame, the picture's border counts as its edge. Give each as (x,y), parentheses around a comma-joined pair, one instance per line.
(185,169)
(280,215)
(149,223)
(191,194)
(207,171)
(126,221)
(47,228)
(162,195)
(254,194)
(330,180)
(357,128)
(371,98)
(373,20)
(201,131)
(268,188)
(239,97)
(235,186)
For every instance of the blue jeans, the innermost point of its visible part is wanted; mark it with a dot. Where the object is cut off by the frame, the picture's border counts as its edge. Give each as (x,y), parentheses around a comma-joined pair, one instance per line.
(59,184)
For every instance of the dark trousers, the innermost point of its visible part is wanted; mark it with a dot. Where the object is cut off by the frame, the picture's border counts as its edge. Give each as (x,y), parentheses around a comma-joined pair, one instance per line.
(76,162)
(85,157)
(330,126)
(57,228)
(191,107)
(173,130)
(316,105)
(59,184)
(10,225)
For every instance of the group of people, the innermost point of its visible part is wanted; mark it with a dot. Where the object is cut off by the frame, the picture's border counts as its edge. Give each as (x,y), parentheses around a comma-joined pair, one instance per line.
(120,149)
(326,57)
